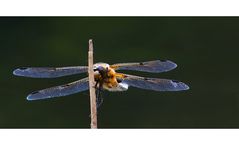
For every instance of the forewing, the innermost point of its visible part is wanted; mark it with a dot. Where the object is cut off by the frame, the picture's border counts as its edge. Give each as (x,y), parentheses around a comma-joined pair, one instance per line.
(155,84)
(155,66)
(49,72)
(58,91)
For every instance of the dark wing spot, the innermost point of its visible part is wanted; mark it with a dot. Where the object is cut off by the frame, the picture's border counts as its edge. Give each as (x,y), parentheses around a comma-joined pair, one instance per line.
(175,81)
(163,60)
(23,68)
(35,92)
(67,85)
(146,79)
(141,63)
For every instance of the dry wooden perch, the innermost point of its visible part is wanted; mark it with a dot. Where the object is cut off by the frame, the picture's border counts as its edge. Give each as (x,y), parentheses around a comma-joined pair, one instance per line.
(93,108)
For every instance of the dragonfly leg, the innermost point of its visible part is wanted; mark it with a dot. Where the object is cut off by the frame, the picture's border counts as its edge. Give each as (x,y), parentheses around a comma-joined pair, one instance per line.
(97,82)
(99,98)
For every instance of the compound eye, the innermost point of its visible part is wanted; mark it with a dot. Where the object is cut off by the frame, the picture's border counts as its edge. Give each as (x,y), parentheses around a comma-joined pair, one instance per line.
(95,67)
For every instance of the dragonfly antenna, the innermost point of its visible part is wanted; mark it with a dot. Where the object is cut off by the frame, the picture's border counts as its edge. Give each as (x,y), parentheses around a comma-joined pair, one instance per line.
(93,108)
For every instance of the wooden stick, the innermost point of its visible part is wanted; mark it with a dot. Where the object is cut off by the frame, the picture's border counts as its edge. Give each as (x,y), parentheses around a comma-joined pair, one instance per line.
(93,108)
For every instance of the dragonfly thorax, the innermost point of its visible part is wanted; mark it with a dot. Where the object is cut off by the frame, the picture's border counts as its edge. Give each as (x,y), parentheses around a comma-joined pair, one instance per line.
(106,77)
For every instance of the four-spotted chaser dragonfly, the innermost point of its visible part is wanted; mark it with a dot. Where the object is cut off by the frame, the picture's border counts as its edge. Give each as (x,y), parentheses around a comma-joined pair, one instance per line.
(106,78)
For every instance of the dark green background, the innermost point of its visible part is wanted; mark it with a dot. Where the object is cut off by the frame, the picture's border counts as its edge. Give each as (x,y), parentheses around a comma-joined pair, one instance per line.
(205,49)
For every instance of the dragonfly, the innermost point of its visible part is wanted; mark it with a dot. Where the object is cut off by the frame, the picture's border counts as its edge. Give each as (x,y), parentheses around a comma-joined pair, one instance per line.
(106,78)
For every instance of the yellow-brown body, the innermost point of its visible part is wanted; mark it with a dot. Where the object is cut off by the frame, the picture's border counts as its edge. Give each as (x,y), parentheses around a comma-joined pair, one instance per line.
(109,78)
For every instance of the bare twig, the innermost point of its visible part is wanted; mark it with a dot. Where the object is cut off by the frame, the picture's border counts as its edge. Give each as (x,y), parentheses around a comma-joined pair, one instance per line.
(91,87)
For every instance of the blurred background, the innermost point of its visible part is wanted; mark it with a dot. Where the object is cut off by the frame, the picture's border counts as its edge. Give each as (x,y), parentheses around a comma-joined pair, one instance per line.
(205,48)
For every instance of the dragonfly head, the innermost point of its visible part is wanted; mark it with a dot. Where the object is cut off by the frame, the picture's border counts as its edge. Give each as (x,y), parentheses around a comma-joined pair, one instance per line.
(102,68)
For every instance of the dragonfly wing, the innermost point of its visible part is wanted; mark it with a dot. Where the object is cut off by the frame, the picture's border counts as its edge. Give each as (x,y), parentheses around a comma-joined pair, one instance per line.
(155,84)
(58,91)
(49,72)
(155,66)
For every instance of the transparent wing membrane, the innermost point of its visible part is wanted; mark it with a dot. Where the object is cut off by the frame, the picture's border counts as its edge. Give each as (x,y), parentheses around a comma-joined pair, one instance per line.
(155,66)
(155,84)
(49,72)
(62,90)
